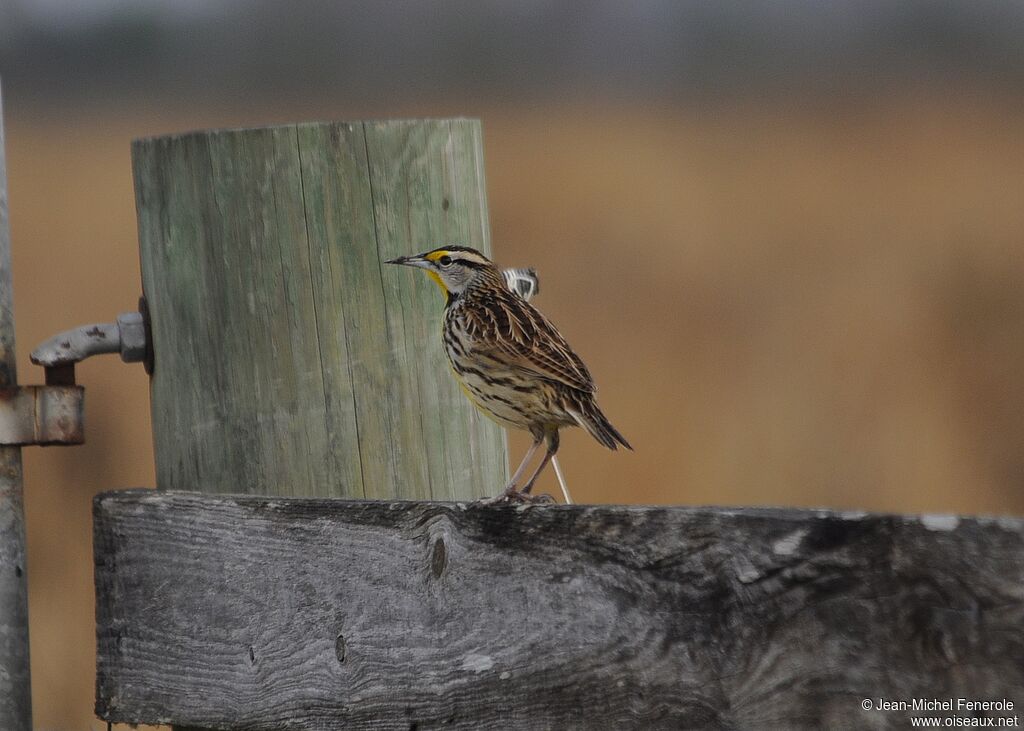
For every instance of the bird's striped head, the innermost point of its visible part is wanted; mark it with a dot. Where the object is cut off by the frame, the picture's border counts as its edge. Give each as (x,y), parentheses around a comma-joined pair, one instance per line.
(454,268)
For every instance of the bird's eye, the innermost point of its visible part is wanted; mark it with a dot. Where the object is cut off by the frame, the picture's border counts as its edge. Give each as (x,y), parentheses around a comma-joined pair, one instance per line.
(445,260)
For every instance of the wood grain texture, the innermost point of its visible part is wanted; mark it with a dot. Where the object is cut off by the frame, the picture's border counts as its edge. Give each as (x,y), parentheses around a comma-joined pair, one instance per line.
(15,684)
(260,613)
(288,357)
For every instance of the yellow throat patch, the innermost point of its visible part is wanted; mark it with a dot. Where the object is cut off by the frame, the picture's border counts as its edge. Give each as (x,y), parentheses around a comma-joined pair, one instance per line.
(434,256)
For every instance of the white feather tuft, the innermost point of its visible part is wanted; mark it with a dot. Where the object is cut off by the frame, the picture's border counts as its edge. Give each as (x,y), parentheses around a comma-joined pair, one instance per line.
(522,281)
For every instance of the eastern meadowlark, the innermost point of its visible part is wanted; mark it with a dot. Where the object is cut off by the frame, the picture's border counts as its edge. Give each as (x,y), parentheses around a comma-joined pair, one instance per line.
(510,360)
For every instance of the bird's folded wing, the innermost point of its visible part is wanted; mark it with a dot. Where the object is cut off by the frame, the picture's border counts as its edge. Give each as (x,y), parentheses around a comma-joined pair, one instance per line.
(521,336)
(566,368)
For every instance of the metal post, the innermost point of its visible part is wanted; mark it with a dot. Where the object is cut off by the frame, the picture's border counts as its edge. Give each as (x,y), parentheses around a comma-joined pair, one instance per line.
(15,682)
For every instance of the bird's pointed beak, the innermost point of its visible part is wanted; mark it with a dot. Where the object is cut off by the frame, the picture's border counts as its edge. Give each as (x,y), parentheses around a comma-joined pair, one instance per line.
(410,261)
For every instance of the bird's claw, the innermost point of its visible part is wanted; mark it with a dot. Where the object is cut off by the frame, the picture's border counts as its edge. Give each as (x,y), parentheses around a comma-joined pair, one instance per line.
(511,495)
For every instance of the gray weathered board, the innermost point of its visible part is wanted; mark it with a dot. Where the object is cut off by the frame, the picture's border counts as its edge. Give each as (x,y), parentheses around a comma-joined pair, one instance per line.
(289,359)
(240,612)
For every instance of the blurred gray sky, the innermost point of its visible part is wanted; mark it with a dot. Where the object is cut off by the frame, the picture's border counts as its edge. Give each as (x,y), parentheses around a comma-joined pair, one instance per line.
(99,48)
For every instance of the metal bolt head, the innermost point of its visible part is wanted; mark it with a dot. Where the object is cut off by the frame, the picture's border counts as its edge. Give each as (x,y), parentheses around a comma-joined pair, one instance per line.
(133,336)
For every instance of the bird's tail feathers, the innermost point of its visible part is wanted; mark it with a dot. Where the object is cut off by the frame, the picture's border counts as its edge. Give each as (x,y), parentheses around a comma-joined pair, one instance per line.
(594,421)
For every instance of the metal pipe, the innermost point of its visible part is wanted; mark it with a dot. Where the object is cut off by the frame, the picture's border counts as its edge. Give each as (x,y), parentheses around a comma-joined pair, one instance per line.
(127,336)
(15,681)
(72,346)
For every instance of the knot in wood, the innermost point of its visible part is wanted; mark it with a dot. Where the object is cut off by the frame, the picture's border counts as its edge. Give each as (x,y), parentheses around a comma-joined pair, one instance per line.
(438,558)
(340,649)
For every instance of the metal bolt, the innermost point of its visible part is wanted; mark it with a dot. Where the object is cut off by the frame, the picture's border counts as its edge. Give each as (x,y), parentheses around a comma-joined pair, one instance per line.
(132,330)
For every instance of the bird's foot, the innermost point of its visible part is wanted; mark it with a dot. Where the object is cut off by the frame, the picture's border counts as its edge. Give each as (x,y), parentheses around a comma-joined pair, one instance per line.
(511,495)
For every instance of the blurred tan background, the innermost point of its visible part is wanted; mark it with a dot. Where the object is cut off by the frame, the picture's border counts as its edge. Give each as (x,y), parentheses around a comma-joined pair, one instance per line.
(789,240)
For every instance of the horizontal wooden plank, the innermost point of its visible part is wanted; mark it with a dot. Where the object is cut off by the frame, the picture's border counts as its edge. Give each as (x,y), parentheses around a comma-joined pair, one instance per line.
(234,612)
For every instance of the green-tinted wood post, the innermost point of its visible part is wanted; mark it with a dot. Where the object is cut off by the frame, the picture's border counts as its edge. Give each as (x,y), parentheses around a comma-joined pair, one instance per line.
(288,358)
(15,686)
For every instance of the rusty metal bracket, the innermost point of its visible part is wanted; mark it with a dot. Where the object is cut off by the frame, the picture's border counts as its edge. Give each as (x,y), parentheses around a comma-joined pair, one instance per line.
(53,414)
(43,415)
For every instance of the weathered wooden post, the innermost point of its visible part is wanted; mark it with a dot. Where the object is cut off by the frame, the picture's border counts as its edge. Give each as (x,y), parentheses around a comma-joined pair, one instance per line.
(288,359)
(15,686)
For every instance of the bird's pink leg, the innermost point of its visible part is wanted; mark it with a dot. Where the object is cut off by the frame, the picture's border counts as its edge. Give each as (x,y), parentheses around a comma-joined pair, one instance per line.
(522,465)
(540,468)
